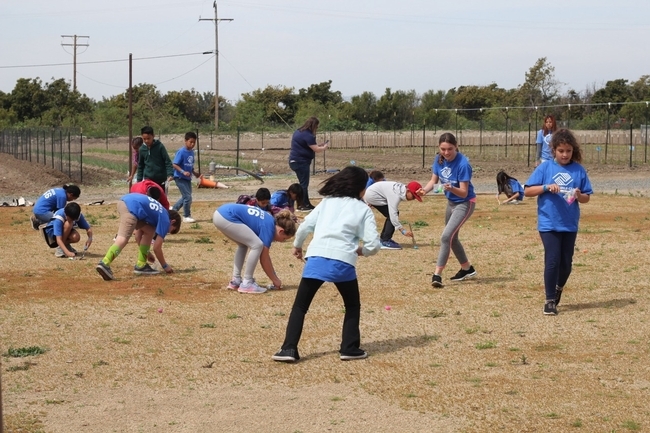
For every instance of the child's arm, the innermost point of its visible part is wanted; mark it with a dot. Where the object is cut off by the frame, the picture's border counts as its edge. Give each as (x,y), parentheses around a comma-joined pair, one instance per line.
(429,186)
(582,198)
(158,251)
(535,190)
(89,233)
(267,265)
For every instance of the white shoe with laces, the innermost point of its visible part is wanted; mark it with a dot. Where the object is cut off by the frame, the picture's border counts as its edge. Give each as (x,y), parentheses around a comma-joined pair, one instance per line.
(189,219)
(250,287)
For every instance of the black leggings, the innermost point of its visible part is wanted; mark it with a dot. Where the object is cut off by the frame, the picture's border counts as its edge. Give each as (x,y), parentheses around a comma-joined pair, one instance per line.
(349,290)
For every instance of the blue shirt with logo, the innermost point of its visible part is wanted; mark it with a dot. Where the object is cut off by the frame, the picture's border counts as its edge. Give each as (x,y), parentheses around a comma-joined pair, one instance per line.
(454,172)
(55,226)
(51,200)
(260,222)
(184,158)
(554,213)
(146,209)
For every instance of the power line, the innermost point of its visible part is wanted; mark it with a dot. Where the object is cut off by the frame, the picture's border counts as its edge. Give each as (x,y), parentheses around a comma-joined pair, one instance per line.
(101,61)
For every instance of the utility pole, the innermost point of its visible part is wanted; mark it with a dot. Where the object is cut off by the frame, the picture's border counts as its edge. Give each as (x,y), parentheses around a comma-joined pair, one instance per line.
(74,44)
(216,20)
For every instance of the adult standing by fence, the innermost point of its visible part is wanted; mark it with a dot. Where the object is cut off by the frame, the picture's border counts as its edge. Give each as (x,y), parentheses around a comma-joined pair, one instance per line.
(303,150)
(154,162)
(543,141)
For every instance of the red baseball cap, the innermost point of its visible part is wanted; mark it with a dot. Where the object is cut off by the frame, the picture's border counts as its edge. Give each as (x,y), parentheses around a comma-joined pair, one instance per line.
(414,187)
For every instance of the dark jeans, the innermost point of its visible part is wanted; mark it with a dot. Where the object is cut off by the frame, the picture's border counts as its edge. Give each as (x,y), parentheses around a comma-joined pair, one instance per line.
(302,170)
(349,290)
(389,229)
(558,257)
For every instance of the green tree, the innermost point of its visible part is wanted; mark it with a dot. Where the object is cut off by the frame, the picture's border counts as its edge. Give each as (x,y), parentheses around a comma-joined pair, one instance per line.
(28,99)
(277,105)
(397,109)
(614,92)
(540,87)
(322,93)
(363,108)
(473,98)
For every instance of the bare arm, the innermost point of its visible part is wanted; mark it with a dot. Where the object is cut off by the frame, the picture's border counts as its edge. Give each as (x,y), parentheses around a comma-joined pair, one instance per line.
(319,147)
(158,251)
(461,190)
(267,266)
(429,186)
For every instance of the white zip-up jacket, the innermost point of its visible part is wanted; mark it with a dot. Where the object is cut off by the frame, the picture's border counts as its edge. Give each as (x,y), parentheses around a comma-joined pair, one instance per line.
(338,224)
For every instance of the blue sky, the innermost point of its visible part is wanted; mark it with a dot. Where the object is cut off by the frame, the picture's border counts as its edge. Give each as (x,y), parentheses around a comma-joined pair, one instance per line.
(360,45)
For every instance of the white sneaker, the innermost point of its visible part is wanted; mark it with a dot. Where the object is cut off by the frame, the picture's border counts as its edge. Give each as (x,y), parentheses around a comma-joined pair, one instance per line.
(250,287)
(189,219)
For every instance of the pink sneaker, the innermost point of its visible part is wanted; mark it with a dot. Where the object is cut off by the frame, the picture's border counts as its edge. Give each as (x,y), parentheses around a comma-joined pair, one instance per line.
(234,284)
(250,287)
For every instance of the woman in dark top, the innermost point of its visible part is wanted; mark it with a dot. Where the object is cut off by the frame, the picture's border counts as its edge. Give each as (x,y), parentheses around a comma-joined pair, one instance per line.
(303,150)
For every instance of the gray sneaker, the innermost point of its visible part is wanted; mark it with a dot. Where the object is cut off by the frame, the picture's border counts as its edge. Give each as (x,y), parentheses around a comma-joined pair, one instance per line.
(59,252)
(145,270)
(35,222)
(105,271)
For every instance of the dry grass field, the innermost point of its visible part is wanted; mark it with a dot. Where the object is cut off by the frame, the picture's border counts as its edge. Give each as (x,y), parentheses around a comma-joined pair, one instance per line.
(180,353)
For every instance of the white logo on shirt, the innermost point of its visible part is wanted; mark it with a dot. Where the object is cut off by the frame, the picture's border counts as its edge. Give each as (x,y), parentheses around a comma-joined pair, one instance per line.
(563,179)
(445,172)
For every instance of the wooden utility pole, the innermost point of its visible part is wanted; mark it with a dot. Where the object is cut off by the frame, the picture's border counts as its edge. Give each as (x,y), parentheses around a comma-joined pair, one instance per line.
(74,44)
(216,20)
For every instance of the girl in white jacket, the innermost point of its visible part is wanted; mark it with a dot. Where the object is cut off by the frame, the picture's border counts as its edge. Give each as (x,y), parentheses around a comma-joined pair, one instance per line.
(339,222)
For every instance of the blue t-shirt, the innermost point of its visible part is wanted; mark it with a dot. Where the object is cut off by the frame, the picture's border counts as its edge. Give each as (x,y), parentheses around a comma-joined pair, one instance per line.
(300,150)
(545,141)
(146,209)
(454,172)
(554,214)
(55,226)
(184,158)
(516,188)
(329,270)
(281,198)
(51,200)
(262,223)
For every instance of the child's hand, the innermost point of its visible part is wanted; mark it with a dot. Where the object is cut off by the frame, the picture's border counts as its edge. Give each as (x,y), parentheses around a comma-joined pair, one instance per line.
(277,283)
(169,269)
(297,253)
(408,234)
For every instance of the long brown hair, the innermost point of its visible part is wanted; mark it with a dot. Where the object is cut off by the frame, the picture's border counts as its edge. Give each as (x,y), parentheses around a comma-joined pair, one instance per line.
(310,124)
(546,131)
(447,137)
(564,136)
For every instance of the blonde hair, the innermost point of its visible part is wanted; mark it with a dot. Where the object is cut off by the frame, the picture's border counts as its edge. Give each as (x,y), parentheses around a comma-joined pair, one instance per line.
(284,219)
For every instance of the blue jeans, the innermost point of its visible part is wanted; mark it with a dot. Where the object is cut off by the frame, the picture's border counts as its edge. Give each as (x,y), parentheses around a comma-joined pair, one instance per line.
(302,172)
(185,202)
(558,259)
(44,218)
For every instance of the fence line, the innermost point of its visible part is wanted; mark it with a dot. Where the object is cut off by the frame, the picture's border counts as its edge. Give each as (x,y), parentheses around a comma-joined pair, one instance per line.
(59,149)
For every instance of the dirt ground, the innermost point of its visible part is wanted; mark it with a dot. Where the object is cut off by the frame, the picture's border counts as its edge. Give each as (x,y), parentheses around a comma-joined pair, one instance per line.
(179,353)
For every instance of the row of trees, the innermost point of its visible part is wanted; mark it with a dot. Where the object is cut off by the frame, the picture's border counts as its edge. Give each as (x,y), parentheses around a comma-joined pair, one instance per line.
(54,104)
